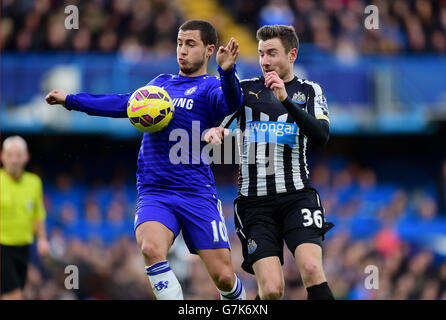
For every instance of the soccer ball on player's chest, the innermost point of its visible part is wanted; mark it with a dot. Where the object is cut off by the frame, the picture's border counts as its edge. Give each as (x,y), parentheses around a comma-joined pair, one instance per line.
(150,109)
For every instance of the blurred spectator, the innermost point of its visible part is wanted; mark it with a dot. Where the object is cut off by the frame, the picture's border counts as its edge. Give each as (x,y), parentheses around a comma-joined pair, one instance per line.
(92,225)
(116,222)
(387,243)
(82,40)
(438,41)
(389,214)
(56,36)
(70,222)
(276,12)
(428,208)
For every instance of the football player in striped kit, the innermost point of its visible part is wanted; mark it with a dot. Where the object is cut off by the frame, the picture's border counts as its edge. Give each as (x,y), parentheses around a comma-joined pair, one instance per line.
(276,200)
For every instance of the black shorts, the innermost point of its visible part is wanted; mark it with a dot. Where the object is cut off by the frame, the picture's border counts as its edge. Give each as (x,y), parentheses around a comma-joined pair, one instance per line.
(263,223)
(14,267)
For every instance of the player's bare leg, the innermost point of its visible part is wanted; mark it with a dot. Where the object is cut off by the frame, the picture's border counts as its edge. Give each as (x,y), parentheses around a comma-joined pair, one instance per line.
(155,240)
(269,278)
(219,266)
(218,263)
(15,294)
(309,262)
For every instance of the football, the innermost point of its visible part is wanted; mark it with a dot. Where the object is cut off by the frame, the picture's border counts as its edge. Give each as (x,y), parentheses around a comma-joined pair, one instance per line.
(150,109)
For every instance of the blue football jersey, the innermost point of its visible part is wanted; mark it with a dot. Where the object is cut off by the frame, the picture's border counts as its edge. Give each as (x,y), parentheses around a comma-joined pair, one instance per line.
(172,158)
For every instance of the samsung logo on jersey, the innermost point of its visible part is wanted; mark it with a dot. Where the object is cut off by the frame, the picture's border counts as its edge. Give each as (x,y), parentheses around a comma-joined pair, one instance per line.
(183,103)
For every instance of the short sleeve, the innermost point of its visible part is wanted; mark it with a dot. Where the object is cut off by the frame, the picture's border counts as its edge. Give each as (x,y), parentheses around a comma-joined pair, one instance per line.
(40,212)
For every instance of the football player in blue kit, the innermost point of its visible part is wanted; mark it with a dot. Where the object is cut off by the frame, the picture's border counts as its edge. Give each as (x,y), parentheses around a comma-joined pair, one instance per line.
(172,196)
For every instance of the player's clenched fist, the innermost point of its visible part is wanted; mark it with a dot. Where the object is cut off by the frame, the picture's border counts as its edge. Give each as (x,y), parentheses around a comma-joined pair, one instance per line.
(56,97)
(216,135)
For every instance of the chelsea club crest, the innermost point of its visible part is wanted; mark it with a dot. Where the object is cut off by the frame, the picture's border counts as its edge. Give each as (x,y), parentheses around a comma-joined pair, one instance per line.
(190,91)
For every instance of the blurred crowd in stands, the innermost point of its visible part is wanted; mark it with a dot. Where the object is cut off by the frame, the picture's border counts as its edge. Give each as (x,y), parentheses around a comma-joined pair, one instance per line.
(91,227)
(104,25)
(137,26)
(338,25)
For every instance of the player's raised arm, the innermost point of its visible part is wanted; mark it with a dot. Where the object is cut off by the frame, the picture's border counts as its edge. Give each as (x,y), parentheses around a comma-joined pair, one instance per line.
(105,105)
(227,56)
(315,128)
(229,98)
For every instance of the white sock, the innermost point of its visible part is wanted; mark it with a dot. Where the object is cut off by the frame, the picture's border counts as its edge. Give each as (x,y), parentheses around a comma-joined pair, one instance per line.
(165,284)
(237,292)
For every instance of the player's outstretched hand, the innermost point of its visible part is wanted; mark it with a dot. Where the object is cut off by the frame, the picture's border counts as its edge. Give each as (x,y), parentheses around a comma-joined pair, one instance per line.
(56,97)
(226,56)
(275,83)
(216,135)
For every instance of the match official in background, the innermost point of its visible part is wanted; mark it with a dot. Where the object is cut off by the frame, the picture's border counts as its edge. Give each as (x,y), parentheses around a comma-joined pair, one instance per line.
(22,216)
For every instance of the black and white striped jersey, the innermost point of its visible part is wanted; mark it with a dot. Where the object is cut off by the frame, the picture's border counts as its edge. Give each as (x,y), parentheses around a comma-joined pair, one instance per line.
(271,147)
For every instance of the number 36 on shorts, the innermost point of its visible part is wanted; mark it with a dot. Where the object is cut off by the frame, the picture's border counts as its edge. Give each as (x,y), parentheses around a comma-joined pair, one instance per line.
(312,218)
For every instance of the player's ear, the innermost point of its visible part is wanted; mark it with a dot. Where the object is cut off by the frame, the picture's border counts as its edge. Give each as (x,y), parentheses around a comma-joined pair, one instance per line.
(292,55)
(27,157)
(210,48)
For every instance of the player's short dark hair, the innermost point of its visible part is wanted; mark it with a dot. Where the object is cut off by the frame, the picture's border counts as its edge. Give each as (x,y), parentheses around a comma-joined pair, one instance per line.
(207,31)
(286,34)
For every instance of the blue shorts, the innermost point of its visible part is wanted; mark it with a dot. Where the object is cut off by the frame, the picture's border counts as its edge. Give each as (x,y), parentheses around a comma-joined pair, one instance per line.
(198,216)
